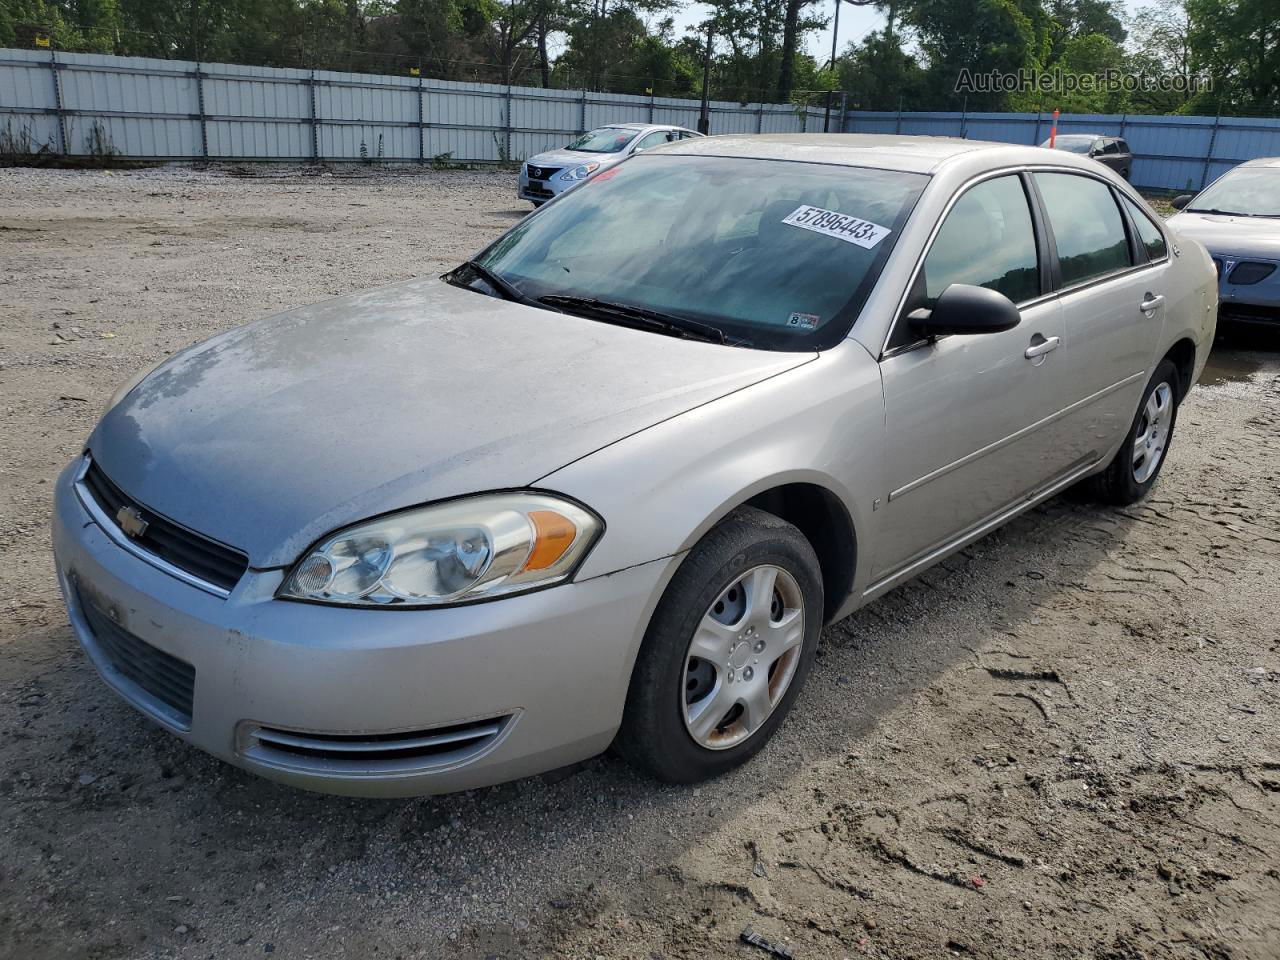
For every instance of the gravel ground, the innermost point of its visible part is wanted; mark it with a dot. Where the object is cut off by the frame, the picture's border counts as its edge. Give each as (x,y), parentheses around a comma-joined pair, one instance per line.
(1061,743)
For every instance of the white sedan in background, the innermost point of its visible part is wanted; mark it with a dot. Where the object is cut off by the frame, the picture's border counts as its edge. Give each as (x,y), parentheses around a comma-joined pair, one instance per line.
(552,172)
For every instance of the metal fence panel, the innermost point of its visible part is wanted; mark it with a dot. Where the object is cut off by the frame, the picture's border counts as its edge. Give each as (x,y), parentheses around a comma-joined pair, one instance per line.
(1170,152)
(172,109)
(164,109)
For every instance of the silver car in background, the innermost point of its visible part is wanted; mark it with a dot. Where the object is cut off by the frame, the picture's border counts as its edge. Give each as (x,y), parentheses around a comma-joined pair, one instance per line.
(1237,217)
(605,486)
(552,172)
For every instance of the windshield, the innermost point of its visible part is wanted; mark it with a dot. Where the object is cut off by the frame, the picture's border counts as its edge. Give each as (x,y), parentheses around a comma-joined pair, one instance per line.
(779,254)
(1072,144)
(1254,191)
(604,140)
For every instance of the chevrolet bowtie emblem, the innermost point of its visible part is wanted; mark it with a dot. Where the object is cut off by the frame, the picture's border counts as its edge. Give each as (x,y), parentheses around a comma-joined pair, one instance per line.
(131,522)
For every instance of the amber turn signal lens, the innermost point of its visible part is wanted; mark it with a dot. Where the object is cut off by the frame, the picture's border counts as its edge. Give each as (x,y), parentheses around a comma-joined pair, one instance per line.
(553,534)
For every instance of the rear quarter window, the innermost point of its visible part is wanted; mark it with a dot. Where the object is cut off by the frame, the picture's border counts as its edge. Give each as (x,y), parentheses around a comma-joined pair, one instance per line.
(1149,235)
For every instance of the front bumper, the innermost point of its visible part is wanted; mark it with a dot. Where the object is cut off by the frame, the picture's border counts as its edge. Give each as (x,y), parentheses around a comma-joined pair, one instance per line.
(540,191)
(1249,302)
(312,695)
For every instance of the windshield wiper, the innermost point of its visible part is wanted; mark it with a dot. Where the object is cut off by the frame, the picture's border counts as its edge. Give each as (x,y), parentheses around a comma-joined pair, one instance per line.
(499,283)
(1221,213)
(642,318)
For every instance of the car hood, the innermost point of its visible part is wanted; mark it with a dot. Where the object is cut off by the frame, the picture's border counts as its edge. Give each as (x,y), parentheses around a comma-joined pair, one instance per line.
(273,434)
(1231,236)
(572,158)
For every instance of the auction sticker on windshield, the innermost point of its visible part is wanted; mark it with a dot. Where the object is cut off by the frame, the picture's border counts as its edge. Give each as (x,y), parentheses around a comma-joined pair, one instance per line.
(842,226)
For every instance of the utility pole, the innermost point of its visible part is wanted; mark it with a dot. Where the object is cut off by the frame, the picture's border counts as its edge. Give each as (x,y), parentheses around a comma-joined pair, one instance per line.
(835,38)
(704,116)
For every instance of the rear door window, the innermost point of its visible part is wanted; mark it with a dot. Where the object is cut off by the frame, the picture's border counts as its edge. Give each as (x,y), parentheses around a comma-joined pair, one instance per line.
(1149,234)
(654,139)
(1086,225)
(988,241)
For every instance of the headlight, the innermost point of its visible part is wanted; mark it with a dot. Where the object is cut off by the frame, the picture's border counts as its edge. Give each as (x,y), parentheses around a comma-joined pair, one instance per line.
(473,549)
(582,172)
(123,390)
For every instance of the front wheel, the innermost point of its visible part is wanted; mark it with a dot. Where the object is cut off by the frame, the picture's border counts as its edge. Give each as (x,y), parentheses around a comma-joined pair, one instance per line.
(1133,471)
(727,651)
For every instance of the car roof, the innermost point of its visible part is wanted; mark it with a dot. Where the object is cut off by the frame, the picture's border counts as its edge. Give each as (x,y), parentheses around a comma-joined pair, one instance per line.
(882,151)
(642,126)
(1262,162)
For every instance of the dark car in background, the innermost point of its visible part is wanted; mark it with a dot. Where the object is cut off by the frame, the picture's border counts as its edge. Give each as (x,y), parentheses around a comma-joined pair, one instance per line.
(1112,151)
(1237,218)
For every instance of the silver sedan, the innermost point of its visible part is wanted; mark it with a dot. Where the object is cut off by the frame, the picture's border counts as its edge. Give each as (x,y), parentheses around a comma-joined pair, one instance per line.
(549,174)
(602,486)
(1237,217)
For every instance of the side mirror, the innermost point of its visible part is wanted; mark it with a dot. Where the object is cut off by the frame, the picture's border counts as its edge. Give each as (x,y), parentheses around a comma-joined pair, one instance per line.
(964,310)
(1181,200)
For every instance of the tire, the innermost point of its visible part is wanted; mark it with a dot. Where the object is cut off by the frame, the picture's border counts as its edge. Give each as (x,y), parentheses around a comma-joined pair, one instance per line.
(759,647)
(1126,479)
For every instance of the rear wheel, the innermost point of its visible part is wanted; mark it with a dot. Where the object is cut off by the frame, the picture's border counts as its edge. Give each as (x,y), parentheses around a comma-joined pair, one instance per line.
(1133,471)
(727,651)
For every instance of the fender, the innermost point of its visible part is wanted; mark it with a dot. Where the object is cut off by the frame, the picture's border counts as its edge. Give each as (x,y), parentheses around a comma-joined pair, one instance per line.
(661,489)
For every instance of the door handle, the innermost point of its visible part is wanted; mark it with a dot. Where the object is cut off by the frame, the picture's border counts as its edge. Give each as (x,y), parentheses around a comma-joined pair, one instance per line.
(1041,348)
(1151,301)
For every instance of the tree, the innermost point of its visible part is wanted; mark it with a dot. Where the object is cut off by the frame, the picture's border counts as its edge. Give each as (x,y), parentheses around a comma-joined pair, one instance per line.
(1073,19)
(879,75)
(981,36)
(1237,43)
(1161,47)
(794,27)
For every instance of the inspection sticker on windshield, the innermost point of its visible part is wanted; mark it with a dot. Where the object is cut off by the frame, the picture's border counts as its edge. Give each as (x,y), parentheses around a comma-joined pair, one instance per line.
(842,226)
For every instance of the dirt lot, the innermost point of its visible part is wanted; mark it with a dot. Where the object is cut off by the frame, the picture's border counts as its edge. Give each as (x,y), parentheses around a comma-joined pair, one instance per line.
(1063,743)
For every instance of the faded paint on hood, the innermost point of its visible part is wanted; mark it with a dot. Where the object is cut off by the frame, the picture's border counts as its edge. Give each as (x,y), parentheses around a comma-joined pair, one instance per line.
(568,159)
(1231,236)
(273,434)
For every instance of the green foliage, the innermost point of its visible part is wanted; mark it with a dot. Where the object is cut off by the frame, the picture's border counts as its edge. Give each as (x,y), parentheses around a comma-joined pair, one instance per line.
(983,36)
(630,46)
(880,75)
(1237,43)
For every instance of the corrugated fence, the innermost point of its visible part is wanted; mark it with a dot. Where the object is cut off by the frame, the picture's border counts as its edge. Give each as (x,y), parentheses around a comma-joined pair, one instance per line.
(1170,153)
(81,104)
(71,103)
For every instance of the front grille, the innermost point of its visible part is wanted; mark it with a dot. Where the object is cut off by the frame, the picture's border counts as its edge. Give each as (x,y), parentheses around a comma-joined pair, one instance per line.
(364,753)
(1250,271)
(199,556)
(162,677)
(542,173)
